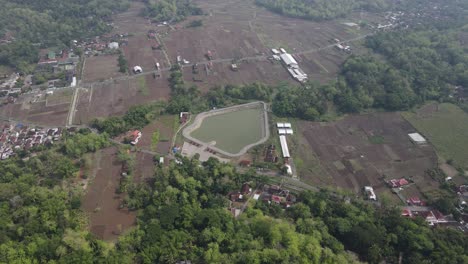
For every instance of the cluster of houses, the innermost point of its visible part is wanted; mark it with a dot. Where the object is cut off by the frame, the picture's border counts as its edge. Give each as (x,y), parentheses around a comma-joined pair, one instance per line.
(102,45)
(21,137)
(432,217)
(271,194)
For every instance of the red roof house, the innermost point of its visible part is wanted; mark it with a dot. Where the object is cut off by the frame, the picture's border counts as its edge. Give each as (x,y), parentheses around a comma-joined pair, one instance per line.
(414,201)
(396,183)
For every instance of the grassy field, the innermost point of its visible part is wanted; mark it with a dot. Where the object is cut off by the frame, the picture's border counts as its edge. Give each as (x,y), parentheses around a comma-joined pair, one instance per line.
(232,131)
(446,128)
(142,86)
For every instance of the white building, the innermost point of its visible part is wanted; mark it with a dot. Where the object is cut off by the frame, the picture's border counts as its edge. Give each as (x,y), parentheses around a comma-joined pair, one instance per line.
(73,83)
(137,69)
(284,147)
(289,60)
(370,193)
(275,51)
(113,45)
(417,138)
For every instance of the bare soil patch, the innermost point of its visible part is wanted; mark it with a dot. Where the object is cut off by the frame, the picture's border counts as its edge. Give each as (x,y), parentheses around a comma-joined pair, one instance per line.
(36,113)
(343,151)
(106,220)
(99,68)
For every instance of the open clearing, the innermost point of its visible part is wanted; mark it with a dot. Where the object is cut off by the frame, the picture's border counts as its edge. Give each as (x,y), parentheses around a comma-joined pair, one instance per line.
(164,125)
(115,98)
(230,129)
(99,68)
(446,127)
(361,150)
(101,202)
(38,113)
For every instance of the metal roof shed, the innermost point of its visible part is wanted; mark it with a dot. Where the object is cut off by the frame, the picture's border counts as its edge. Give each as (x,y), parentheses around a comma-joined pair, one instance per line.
(288,59)
(417,138)
(284,147)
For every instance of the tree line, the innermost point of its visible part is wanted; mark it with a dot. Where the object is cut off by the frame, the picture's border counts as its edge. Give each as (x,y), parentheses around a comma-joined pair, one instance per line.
(170,10)
(321,9)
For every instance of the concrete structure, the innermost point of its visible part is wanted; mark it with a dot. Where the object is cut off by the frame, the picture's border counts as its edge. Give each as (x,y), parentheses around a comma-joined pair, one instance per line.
(282,50)
(113,45)
(73,83)
(275,51)
(284,146)
(417,138)
(370,193)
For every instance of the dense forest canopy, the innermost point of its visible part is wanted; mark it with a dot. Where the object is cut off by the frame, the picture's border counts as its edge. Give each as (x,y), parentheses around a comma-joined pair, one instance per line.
(183,216)
(50,23)
(170,10)
(321,9)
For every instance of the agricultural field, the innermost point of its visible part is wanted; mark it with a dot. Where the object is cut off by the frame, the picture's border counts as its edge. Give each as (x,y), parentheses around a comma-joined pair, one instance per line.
(100,68)
(230,130)
(101,203)
(446,128)
(115,98)
(361,150)
(51,110)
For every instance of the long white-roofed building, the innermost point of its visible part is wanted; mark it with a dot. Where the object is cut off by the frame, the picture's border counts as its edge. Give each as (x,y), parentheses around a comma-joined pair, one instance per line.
(289,60)
(284,146)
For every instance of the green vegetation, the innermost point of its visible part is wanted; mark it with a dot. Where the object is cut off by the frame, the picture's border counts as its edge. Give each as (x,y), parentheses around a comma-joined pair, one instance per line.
(233,130)
(376,139)
(321,9)
(123,64)
(136,118)
(170,10)
(50,23)
(190,99)
(187,204)
(195,23)
(154,140)
(142,86)
(446,129)
(183,216)
(40,216)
